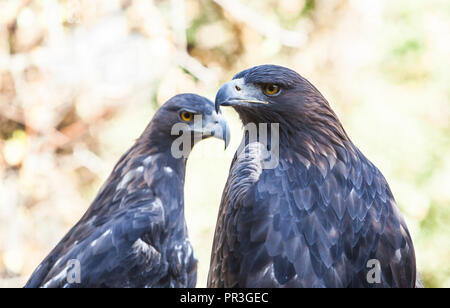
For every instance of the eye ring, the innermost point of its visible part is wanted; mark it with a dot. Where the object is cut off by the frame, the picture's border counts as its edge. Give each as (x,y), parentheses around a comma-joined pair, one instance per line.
(186,116)
(271,89)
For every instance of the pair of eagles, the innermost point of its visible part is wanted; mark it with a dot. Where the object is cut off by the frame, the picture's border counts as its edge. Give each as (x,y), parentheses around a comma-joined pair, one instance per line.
(322,215)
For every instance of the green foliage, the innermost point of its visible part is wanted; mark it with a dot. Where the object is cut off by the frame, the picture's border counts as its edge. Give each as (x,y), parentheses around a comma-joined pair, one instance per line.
(73,96)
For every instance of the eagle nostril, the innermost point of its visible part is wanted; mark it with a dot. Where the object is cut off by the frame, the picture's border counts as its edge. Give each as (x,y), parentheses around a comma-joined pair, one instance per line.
(238,88)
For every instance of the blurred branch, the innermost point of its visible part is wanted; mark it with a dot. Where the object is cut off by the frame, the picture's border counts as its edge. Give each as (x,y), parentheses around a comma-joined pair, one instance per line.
(183,59)
(179,23)
(197,69)
(260,24)
(56,138)
(77,129)
(19,5)
(88,159)
(12,113)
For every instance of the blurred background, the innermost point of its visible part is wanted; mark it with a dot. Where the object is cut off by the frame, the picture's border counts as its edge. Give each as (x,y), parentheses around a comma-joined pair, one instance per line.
(80,80)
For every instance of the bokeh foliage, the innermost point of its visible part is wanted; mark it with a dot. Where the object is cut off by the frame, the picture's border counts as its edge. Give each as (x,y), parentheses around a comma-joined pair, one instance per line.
(80,79)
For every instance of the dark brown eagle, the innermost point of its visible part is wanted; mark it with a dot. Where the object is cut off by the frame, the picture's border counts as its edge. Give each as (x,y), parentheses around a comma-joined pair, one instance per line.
(134,234)
(322,215)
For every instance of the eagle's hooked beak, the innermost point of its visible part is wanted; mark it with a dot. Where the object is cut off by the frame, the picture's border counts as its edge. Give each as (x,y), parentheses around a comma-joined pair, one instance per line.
(224,132)
(237,93)
(217,127)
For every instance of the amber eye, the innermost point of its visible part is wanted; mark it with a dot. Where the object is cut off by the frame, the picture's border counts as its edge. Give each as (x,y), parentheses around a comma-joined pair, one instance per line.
(187,116)
(271,89)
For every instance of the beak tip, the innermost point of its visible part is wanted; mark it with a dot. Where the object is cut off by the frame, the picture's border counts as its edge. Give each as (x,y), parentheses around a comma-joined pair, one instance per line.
(226,136)
(227,143)
(221,129)
(217,107)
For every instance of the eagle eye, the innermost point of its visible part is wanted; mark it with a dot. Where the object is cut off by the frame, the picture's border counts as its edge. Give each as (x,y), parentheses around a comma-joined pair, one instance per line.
(271,89)
(186,116)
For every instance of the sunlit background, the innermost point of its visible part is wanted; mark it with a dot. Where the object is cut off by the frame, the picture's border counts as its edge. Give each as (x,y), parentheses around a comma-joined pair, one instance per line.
(80,80)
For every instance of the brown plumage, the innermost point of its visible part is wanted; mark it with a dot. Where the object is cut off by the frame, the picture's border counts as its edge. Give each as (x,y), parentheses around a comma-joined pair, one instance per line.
(321,215)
